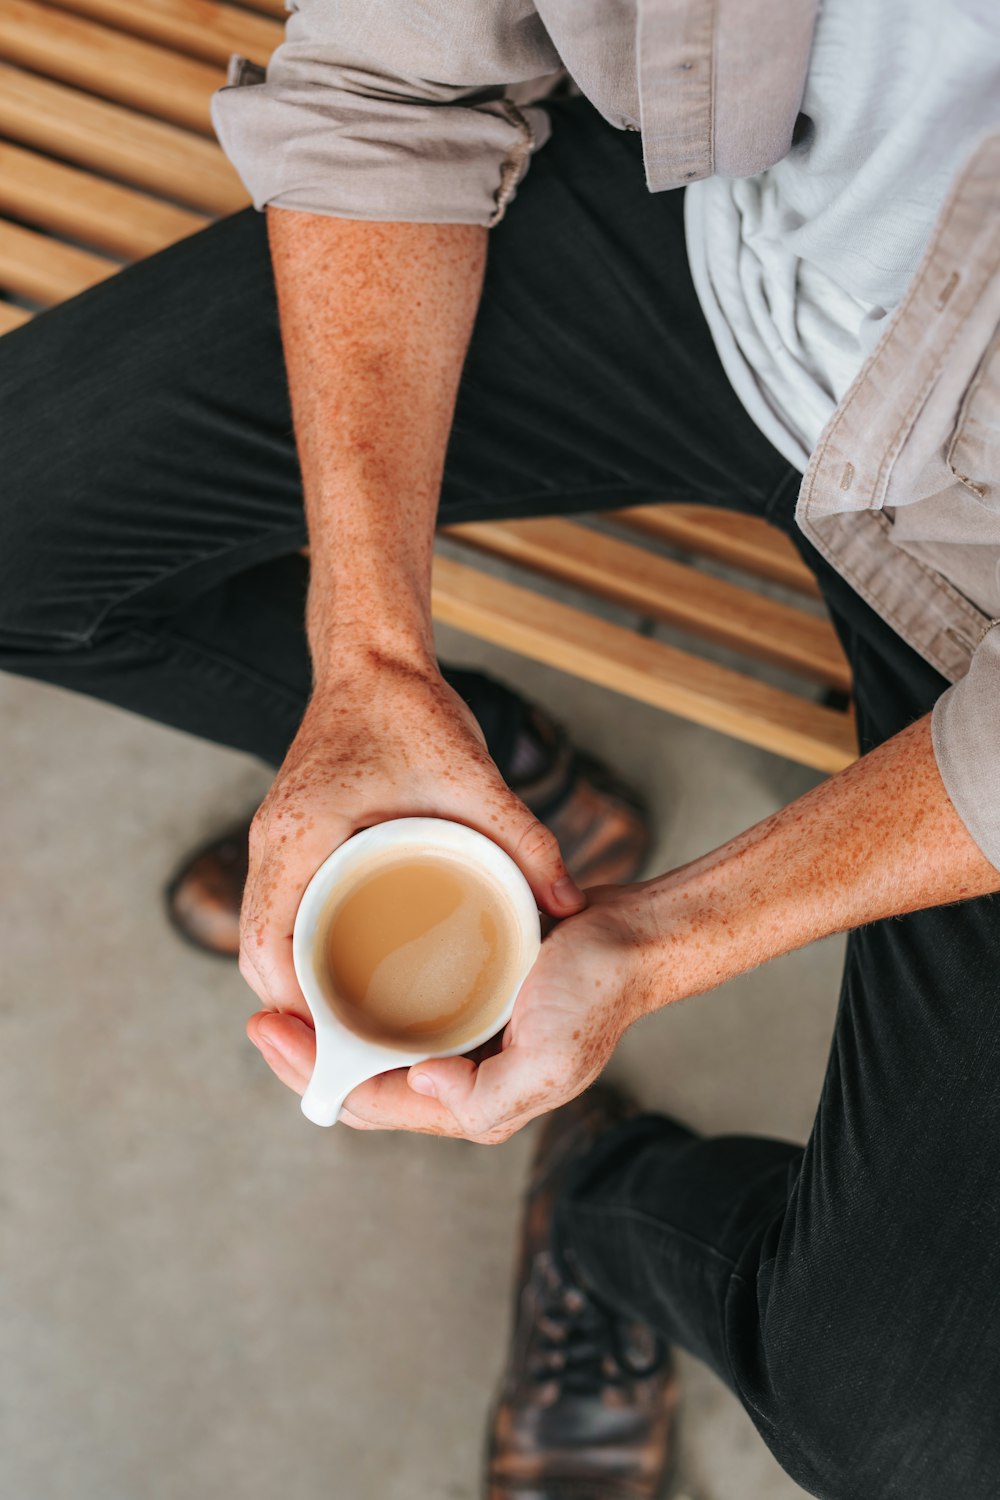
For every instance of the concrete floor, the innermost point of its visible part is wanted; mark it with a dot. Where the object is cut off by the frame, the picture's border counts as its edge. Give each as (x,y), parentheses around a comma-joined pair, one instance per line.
(204,1296)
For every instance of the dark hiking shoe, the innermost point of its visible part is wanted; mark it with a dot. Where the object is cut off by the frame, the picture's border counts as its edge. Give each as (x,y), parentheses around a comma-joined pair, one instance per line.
(586,1409)
(602,828)
(204,897)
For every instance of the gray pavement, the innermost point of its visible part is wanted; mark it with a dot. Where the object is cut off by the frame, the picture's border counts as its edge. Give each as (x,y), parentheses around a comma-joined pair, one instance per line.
(204,1296)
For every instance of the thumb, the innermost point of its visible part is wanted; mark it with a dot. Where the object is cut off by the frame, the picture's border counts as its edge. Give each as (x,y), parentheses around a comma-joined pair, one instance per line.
(482,1098)
(449,1079)
(535,850)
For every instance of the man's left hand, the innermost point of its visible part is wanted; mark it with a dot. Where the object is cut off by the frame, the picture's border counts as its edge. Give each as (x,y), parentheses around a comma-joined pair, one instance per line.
(580,997)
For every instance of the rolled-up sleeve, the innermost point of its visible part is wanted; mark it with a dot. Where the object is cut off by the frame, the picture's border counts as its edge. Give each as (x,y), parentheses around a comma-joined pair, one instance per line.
(966,736)
(392,111)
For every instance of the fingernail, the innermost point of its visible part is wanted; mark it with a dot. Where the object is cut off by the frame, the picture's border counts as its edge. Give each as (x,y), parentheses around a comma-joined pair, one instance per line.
(567,892)
(422,1083)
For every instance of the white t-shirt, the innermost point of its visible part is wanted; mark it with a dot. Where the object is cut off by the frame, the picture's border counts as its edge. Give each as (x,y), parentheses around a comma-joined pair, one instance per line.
(796,269)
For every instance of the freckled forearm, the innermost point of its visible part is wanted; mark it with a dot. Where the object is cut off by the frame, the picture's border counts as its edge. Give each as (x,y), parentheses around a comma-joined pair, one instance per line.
(879,839)
(375,322)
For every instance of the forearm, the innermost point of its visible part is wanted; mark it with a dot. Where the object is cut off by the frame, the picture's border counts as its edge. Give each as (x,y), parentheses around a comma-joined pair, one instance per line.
(375,322)
(879,839)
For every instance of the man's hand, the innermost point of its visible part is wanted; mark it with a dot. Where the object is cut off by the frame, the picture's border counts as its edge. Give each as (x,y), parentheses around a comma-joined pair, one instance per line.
(387,738)
(584,991)
(880,839)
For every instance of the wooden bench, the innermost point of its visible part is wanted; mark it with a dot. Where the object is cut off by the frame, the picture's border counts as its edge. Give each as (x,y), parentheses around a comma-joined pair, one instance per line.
(107,154)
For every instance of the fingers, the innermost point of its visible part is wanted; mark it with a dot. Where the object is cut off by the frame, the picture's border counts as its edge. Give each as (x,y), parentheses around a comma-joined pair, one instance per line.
(479,1102)
(389,1103)
(490,1102)
(287,1045)
(535,850)
(286,848)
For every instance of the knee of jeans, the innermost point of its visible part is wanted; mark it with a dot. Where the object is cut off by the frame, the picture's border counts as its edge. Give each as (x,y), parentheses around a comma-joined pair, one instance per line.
(848,1412)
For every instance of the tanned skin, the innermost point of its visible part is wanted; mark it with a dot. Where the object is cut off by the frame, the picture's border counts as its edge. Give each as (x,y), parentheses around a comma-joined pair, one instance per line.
(376,320)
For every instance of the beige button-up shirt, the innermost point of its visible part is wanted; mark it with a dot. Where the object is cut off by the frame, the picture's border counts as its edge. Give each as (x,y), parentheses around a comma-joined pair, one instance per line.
(406,111)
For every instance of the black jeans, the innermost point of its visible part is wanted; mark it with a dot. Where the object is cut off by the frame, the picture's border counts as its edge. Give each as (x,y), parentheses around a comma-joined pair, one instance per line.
(152,507)
(151,513)
(848,1292)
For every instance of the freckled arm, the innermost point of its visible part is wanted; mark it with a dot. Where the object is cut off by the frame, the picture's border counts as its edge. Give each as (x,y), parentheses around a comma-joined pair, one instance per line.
(375,322)
(879,839)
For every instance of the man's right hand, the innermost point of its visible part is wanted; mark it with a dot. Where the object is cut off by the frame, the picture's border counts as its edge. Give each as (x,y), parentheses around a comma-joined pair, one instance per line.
(386,737)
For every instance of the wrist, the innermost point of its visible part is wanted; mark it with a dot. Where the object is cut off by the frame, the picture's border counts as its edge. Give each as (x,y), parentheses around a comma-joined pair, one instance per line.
(359,644)
(688,935)
(368,673)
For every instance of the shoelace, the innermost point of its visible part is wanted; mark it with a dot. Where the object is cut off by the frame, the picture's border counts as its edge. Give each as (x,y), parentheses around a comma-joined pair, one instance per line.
(579,1344)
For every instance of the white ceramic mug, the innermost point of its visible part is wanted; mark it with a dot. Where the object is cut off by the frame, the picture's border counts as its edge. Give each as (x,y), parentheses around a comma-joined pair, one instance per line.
(343,1058)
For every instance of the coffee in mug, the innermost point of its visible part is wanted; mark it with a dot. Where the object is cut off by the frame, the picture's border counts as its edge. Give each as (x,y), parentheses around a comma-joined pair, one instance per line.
(420,948)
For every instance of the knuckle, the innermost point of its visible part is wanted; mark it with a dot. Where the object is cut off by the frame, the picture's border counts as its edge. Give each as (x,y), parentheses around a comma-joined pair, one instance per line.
(537,842)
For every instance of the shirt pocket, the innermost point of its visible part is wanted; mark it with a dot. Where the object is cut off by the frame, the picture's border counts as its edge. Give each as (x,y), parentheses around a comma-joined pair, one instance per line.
(973,454)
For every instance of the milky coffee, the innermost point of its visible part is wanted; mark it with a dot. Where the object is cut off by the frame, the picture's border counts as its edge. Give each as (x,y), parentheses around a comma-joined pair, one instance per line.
(420,949)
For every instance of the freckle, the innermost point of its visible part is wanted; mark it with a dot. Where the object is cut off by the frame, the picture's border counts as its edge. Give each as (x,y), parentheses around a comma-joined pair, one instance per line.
(576,1036)
(299,833)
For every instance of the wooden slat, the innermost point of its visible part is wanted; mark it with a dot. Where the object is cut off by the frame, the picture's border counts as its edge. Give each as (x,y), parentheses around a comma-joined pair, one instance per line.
(728,536)
(275,8)
(116,67)
(112,140)
(53,196)
(12,317)
(44,270)
(650,671)
(668,591)
(202,28)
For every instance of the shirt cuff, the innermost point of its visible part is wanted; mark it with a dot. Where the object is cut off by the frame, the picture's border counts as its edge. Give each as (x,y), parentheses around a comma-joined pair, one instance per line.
(965,729)
(334,151)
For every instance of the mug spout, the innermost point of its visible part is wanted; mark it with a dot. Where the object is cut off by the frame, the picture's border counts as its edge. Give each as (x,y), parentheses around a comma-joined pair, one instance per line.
(342,1062)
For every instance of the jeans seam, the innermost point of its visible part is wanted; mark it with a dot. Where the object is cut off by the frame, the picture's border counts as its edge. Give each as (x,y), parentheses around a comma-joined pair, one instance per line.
(637,1216)
(201,655)
(295,535)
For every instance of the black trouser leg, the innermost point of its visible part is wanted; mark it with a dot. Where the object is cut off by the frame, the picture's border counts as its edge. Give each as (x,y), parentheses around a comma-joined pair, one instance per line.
(151,503)
(848,1292)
